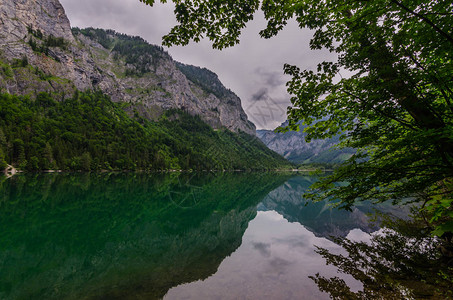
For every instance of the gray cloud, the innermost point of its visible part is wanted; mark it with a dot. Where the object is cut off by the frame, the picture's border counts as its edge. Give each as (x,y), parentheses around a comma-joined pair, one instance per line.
(260,94)
(264,110)
(252,65)
(294,242)
(263,249)
(271,79)
(279,265)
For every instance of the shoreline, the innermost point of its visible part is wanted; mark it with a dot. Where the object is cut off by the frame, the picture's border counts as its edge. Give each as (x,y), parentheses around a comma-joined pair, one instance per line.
(10,171)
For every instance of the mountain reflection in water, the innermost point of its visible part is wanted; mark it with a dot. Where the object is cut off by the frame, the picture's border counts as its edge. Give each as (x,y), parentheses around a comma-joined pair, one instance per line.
(120,236)
(320,217)
(178,236)
(277,256)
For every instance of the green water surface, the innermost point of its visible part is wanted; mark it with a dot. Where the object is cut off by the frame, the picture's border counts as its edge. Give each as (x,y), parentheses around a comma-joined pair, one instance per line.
(174,236)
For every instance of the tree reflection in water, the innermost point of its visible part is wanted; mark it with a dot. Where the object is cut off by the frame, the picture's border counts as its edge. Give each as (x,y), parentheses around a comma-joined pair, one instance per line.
(120,236)
(399,262)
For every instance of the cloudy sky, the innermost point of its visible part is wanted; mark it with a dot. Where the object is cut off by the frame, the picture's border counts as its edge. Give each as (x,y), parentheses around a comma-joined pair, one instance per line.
(253,69)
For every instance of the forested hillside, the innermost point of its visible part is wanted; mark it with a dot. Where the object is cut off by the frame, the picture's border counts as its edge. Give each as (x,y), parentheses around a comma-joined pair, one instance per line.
(90,132)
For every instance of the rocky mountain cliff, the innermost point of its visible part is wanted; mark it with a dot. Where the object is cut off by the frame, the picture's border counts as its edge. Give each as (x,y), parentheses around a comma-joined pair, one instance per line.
(40,52)
(292,146)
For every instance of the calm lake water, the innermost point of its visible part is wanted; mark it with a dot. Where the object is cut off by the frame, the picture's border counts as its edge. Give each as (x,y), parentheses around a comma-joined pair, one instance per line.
(178,236)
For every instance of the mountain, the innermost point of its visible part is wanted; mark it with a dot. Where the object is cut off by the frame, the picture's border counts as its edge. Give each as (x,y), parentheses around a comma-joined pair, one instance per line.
(320,217)
(292,146)
(94,99)
(128,69)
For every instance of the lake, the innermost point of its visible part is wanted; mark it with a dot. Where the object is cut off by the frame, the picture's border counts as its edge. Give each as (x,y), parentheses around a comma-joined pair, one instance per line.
(175,236)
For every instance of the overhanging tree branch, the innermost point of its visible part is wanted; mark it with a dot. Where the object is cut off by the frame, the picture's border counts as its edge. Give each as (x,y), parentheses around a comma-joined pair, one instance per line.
(424,19)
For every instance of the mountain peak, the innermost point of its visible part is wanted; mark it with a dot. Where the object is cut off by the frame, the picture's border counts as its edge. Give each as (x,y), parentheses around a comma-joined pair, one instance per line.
(55,59)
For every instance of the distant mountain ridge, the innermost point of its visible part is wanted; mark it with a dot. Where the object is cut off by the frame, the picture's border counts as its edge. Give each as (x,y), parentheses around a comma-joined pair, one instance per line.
(126,68)
(292,146)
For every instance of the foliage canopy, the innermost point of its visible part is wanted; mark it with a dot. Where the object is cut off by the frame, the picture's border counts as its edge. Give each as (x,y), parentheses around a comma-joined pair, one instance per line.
(396,105)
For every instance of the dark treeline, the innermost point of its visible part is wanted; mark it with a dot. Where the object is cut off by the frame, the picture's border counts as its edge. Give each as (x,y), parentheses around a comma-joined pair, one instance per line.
(90,132)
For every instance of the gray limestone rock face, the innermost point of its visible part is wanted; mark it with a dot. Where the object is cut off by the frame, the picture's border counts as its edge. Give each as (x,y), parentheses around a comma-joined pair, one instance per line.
(26,21)
(82,63)
(19,15)
(293,146)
